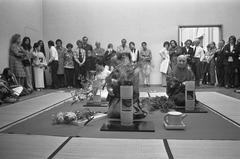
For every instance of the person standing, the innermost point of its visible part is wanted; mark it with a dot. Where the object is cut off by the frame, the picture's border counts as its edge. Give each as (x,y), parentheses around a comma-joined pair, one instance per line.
(39,65)
(145,58)
(174,52)
(26,44)
(219,57)
(134,53)
(188,51)
(197,58)
(211,61)
(109,54)
(91,65)
(165,62)
(237,63)
(53,63)
(229,62)
(60,72)
(98,51)
(69,65)
(79,64)
(87,47)
(123,48)
(16,55)
(41,44)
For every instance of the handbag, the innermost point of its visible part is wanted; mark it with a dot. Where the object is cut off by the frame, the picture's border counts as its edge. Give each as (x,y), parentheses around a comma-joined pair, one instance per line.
(26,62)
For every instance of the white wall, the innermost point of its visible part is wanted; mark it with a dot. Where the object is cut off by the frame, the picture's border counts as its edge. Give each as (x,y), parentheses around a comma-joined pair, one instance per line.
(153,21)
(18,16)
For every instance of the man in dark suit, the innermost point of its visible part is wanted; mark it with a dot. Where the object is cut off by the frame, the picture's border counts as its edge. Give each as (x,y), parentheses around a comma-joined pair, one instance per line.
(237,63)
(219,57)
(87,47)
(229,62)
(188,50)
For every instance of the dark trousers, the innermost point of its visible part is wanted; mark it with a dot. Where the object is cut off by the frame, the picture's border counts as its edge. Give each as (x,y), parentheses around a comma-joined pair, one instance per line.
(61,80)
(77,75)
(196,68)
(54,68)
(229,74)
(69,74)
(205,72)
(220,75)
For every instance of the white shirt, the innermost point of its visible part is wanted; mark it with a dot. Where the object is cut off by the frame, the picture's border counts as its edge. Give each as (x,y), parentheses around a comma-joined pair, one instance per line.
(231,48)
(134,55)
(199,53)
(53,54)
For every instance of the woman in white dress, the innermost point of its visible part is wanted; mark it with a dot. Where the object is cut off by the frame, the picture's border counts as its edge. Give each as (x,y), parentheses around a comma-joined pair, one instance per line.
(164,66)
(39,65)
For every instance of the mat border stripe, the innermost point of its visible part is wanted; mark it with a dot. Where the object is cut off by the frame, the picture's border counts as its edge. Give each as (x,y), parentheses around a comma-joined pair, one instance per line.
(167,148)
(60,148)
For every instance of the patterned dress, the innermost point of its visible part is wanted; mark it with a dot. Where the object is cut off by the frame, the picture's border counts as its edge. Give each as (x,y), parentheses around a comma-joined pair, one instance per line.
(61,52)
(39,64)
(15,61)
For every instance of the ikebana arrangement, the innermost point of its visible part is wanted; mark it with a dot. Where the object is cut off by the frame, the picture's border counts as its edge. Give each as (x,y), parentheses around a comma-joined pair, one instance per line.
(79,117)
(74,118)
(161,103)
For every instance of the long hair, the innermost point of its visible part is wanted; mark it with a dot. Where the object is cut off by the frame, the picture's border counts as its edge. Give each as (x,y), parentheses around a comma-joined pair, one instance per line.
(42,49)
(14,38)
(233,38)
(35,46)
(5,73)
(26,46)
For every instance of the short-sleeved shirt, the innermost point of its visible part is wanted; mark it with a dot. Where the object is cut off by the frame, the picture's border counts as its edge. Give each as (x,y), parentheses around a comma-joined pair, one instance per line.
(53,53)
(145,55)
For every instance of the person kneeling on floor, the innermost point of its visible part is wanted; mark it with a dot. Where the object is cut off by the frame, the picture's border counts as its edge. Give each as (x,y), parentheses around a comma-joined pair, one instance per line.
(7,95)
(176,79)
(9,87)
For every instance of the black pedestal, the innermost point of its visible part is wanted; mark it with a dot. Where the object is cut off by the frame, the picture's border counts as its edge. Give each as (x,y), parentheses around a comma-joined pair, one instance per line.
(138,126)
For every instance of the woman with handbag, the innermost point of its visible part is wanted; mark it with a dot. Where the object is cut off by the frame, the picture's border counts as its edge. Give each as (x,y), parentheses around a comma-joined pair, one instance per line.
(26,45)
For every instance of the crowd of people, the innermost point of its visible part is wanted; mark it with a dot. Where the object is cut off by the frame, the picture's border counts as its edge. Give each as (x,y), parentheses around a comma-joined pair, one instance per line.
(217,65)
(69,66)
(72,66)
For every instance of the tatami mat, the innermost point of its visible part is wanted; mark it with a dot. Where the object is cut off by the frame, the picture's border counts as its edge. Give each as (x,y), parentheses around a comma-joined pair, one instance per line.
(226,105)
(14,112)
(204,149)
(28,146)
(113,149)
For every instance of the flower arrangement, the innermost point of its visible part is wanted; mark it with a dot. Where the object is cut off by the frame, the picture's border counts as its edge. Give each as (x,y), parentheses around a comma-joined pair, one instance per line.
(157,103)
(73,118)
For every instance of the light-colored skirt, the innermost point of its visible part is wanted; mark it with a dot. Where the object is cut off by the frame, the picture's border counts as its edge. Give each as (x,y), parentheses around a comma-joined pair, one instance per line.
(39,77)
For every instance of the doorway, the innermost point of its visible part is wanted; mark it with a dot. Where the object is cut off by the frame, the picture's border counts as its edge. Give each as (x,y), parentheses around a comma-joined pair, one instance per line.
(206,33)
